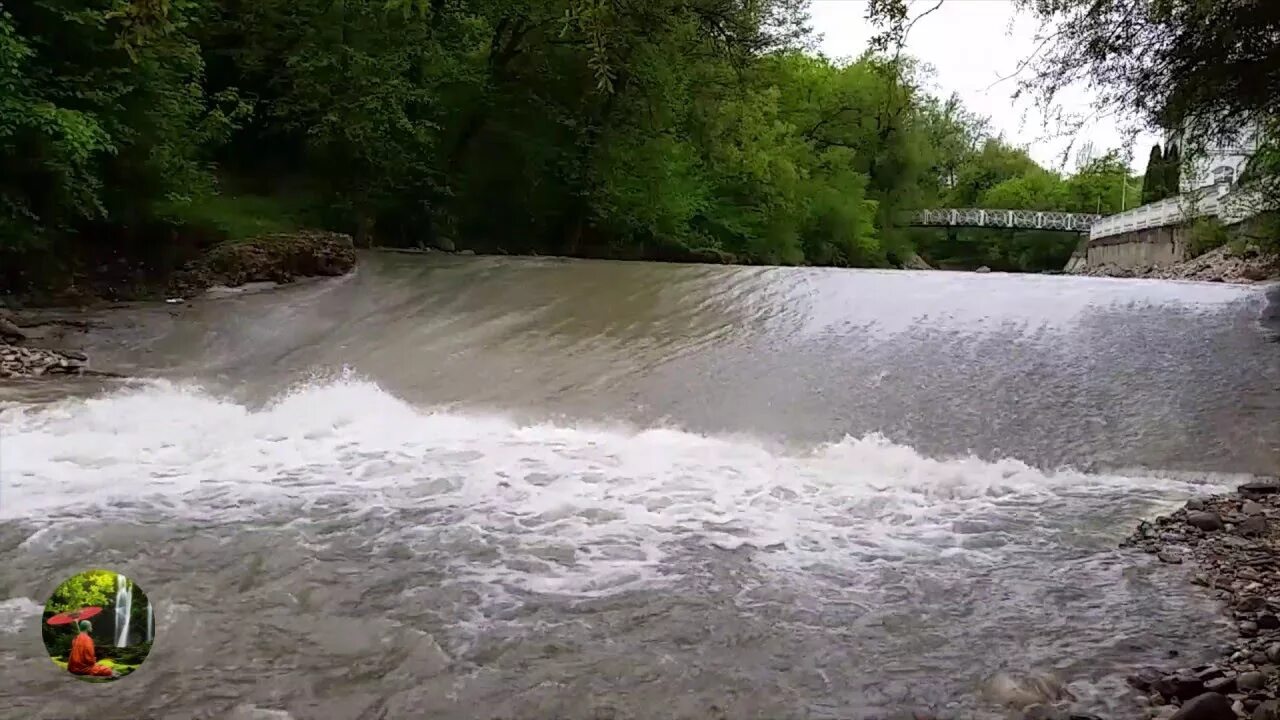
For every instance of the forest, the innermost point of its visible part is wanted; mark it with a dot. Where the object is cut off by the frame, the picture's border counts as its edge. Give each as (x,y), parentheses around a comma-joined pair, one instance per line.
(657,129)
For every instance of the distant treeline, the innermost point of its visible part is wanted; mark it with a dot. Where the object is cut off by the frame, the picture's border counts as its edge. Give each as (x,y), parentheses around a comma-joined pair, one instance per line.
(658,129)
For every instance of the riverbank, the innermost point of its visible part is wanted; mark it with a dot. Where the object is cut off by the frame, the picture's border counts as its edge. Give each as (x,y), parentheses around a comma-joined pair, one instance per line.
(35,344)
(1219,265)
(1232,542)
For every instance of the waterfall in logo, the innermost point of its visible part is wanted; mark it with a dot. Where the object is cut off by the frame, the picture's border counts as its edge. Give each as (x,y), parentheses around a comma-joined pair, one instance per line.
(124,603)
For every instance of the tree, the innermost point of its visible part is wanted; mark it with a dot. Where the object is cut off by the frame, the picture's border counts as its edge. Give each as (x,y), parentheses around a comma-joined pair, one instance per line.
(1172,173)
(92,587)
(1153,187)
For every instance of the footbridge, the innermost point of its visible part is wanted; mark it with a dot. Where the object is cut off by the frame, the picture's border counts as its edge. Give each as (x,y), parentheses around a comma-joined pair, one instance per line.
(1013,219)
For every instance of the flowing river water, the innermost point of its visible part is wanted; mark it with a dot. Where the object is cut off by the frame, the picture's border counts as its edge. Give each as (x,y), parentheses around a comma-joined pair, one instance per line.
(533,488)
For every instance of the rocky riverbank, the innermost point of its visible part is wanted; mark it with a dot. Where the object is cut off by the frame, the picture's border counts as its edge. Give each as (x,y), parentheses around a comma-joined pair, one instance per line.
(19,360)
(1232,543)
(277,258)
(1219,265)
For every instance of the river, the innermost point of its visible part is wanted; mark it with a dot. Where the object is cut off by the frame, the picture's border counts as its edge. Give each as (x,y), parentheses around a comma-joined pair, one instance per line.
(537,488)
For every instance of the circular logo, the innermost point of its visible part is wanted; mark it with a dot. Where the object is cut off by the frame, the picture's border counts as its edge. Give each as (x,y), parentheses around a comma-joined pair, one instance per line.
(98,626)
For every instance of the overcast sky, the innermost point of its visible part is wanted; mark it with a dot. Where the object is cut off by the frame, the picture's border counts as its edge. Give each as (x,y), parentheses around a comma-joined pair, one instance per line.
(971,44)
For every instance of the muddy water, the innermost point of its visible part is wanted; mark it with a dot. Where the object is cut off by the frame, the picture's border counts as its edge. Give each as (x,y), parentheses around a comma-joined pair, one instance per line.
(491,488)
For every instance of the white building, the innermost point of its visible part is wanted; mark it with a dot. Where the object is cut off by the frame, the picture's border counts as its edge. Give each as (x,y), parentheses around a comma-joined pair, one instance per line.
(1221,165)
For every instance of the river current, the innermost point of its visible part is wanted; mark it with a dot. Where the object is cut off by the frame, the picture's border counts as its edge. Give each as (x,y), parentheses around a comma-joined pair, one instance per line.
(455,487)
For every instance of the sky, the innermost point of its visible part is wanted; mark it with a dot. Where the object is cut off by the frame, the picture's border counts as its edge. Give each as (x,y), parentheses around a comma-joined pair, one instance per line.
(971,44)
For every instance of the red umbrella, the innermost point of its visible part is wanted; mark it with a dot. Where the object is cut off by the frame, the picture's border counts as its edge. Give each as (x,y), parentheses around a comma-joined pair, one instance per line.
(67,618)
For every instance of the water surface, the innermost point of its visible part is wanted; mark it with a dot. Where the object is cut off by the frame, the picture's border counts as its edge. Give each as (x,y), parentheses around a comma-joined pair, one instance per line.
(500,488)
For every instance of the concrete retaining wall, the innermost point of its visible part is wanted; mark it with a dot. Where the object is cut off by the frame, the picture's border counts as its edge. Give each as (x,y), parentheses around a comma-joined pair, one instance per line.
(1142,248)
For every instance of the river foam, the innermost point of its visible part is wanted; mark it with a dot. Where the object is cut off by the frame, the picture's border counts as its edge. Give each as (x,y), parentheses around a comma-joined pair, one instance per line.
(544,508)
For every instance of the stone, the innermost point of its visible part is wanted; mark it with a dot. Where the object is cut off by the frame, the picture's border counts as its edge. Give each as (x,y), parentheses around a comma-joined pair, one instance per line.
(1269,710)
(1195,504)
(1220,684)
(1207,521)
(1253,526)
(983,269)
(1260,487)
(1170,556)
(1248,628)
(9,330)
(445,244)
(1267,621)
(1143,679)
(1250,507)
(1251,681)
(1273,653)
(1209,706)
(1253,604)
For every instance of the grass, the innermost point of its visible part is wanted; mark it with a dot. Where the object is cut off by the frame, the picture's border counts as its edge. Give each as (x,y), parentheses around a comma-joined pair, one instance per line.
(122,668)
(238,217)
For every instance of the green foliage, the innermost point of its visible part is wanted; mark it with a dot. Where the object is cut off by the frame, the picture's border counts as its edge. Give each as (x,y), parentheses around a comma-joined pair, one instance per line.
(671,129)
(1206,234)
(1153,187)
(92,587)
(235,217)
(1172,172)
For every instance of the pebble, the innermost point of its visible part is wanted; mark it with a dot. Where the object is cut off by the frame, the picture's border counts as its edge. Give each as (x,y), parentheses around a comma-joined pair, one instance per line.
(1235,554)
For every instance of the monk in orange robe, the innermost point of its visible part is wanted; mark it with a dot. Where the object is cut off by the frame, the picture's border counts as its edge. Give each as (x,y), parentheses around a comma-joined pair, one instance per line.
(83,660)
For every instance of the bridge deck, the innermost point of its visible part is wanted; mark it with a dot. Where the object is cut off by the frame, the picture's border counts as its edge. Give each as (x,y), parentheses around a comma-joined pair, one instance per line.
(1015,219)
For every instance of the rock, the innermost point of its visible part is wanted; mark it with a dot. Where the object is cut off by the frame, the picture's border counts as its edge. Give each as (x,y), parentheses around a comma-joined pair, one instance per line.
(1252,507)
(1220,684)
(1143,679)
(9,330)
(1273,653)
(1268,710)
(983,269)
(1251,681)
(1263,487)
(1267,621)
(1195,504)
(1248,628)
(1252,604)
(1170,556)
(445,244)
(915,262)
(1207,521)
(1253,527)
(466,252)
(1209,706)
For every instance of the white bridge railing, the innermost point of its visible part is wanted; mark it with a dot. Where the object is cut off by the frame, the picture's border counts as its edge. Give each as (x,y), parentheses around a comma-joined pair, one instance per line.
(1016,219)
(1214,201)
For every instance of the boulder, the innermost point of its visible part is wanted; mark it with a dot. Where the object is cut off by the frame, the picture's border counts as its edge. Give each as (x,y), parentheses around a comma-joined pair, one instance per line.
(1251,507)
(9,330)
(1209,706)
(1207,521)
(1251,681)
(1253,526)
(983,269)
(1268,710)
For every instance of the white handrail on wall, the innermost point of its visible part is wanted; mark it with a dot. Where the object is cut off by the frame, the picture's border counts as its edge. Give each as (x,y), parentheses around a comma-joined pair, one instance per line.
(1215,200)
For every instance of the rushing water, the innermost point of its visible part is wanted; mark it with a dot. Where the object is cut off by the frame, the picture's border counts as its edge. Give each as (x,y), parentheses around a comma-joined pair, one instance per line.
(490,488)
(123,605)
